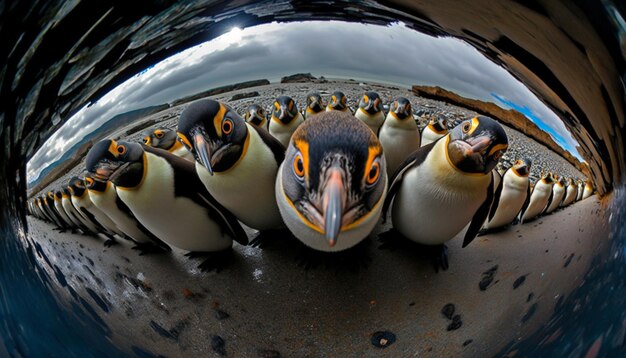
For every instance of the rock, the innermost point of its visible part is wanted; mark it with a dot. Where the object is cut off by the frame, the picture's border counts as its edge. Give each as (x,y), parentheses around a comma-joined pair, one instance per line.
(239,96)
(298,78)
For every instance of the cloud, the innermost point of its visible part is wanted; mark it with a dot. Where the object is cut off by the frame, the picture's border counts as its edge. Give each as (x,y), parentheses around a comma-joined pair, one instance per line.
(393,54)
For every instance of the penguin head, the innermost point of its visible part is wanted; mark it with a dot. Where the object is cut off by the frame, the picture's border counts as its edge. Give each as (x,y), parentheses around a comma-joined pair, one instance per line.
(120,162)
(76,186)
(50,195)
(66,192)
(162,138)
(58,195)
(547,177)
(401,109)
(522,167)
(214,133)
(475,146)
(255,115)
(338,101)
(561,181)
(334,173)
(95,184)
(285,110)
(371,103)
(314,102)
(438,124)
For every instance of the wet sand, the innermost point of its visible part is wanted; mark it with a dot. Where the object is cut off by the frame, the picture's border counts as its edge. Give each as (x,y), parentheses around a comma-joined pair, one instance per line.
(266,302)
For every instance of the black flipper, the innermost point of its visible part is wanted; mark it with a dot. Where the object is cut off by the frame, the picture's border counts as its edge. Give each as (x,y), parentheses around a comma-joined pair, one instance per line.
(496,198)
(526,202)
(414,159)
(158,242)
(93,220)
(272,143)
(479,218)
(188,185)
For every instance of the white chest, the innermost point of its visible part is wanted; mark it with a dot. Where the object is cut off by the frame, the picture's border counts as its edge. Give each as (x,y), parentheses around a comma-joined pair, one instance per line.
(283,132)
(373,121)
(398,142)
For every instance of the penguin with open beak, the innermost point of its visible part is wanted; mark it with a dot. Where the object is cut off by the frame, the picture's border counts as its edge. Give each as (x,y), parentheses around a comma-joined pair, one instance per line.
(314,104)
(370,111)
(285,119)
(166,139)
(437,128)
(165,195)
(236,162)
(332,184)
(338,102)
(539,199)
(256,116)
(442,187)
(399,134)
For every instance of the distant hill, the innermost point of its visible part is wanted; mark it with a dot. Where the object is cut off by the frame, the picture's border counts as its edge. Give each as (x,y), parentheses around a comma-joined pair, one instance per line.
(74,154)
(509,117)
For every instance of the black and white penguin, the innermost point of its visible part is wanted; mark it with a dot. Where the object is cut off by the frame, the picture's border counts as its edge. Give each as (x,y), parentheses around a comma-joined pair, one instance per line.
(443,186)
(73,214)
(539,199)
(314,104)
(332,184)
(94,218)
(58,204)
(570,192)
(165,195)
(399,135)
(511,195)
(437,128)
(370,111)
(338,102)
(46,216)
(558,193)
(166,139)
(256,116)
(285,119)
(104,196)
(236,161)
(57,219)
(588,191)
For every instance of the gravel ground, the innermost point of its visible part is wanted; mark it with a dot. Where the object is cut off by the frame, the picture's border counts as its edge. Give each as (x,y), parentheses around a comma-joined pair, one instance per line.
(519,144)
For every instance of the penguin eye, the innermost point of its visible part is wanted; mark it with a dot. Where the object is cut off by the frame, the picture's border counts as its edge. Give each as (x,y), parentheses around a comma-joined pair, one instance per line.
(466,127)
(298,166)
(227,126)
(497,155)
(121,149)
(374,173)
(158,134)
(89,181)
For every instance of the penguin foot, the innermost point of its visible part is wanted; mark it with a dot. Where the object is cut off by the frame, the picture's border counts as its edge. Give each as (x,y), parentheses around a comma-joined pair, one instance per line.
(351,260)
(110,242)
(267,238)
(441,258)
(392,240)
(214,261)
(149,248)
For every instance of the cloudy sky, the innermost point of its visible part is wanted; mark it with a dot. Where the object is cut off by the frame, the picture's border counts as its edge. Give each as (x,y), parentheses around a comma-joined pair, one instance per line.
(393,54)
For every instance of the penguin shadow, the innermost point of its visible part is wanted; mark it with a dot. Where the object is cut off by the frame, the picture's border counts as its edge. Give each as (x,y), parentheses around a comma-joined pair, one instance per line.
(352,260)
(213,261)
(393,240)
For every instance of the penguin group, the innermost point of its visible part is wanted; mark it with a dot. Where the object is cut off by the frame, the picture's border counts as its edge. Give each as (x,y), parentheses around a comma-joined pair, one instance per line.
(326,173)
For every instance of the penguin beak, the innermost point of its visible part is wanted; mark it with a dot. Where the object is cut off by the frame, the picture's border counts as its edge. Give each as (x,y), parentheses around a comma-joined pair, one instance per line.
(204,151)
(334,198)
(477,145)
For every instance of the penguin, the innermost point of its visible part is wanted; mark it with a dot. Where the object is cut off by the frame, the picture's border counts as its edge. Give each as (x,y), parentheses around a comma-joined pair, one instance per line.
(54,214)
(588,191)
(236,161)
(104,196)
(570,192)
(166,139)
(370,111)
(445,185)
(58,205)
(285,119)
(314,104)
(46,216)
(166,196)
(399,135)
(338,102)
(256,116)
(539,199)
(512,194)
(332,184)
(40,213)
(558,193)
(437,128)
(73,214)
(93,218)
(580,190)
